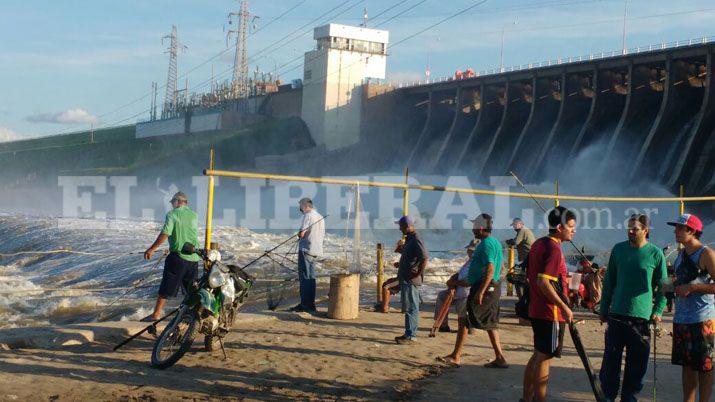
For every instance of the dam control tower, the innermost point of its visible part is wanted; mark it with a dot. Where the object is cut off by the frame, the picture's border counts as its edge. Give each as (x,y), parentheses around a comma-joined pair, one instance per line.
(333,77)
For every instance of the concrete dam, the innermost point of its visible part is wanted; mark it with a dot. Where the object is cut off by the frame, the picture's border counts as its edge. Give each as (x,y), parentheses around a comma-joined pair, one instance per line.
(650,115)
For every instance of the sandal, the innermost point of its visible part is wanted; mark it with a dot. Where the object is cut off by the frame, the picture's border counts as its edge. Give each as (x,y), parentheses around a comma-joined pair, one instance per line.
(148,318)
(495,364)
(448,360)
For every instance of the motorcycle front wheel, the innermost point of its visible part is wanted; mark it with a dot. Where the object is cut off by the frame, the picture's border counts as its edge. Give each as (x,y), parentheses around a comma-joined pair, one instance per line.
(176,339)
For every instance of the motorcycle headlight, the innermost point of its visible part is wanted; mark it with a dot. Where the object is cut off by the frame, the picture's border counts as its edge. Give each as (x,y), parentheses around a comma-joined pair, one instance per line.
(216,277)
(213,255)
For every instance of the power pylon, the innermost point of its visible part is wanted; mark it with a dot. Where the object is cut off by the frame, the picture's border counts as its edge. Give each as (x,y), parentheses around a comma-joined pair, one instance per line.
(170,96)
(239,86)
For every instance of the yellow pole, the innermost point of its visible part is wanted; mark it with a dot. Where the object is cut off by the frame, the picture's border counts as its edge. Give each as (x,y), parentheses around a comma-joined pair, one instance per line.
(556,200)
(510,264)
(210,204)
(406,194)
(380,271)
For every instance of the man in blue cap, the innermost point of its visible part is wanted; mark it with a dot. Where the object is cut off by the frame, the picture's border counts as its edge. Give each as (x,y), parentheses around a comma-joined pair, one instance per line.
(410,272)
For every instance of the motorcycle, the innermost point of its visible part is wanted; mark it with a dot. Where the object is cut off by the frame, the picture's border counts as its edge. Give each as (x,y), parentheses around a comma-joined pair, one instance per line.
(209,307)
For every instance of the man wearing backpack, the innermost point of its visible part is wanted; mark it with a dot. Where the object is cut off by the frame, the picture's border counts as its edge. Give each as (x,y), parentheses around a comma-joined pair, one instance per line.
(694,320)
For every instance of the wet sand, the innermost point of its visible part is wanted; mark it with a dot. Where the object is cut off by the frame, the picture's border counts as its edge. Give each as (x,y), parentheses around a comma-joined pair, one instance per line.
(280,356)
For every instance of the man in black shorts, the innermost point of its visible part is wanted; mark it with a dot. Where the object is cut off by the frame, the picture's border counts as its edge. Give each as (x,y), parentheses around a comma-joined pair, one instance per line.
(180,226)
(547,310)
(481,310)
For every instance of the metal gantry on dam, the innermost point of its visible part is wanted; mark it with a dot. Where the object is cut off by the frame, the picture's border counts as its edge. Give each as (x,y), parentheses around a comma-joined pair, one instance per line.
(646,116)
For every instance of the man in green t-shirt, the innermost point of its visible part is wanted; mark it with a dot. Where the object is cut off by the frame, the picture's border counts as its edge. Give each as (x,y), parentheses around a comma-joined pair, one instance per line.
(180,227)
(631,299)
(481,311)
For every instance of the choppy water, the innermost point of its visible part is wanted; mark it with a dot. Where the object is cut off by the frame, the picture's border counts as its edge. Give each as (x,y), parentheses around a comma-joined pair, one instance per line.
(66,287)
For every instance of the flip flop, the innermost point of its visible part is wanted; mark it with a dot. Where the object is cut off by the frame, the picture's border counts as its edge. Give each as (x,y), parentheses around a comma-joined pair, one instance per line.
(148,318)
(447,360)
(495,364)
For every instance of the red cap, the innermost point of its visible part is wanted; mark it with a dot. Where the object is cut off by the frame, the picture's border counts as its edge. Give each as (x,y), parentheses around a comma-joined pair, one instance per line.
(689,220)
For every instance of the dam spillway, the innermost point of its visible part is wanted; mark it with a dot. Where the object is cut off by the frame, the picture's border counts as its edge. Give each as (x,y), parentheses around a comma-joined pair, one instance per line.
(649,115)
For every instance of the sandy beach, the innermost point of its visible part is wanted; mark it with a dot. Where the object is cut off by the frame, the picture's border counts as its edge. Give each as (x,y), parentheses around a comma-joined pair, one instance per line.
(279,356)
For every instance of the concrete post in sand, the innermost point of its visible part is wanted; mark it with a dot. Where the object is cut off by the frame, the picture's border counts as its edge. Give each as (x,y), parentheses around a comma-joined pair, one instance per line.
(344,296)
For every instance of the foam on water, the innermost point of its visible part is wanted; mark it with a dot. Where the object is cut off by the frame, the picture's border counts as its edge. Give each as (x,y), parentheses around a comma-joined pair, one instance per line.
(48,278)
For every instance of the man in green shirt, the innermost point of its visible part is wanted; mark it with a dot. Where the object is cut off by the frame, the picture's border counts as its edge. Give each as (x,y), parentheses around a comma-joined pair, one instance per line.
(631,300)
(180,226)
(481,311)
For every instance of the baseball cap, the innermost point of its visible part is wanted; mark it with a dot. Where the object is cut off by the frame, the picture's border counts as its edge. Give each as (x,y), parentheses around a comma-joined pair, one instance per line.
(689,220)
(482,221)
(179,196)
(305,200)
(406,220)
(515,221)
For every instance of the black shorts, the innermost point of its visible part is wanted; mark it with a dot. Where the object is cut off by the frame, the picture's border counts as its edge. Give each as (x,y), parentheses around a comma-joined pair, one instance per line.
(177,272)
(548,336)
(483,316)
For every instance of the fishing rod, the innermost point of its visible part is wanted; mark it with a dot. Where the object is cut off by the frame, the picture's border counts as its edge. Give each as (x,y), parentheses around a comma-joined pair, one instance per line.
(151,272)
(280,244)
(151,328)
(523,186)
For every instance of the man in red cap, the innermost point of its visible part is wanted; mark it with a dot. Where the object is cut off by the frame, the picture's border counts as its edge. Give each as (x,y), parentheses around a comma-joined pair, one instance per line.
(694,319)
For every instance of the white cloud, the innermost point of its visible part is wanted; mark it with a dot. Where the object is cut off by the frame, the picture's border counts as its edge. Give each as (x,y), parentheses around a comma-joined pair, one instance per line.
(8,135)
(72,116)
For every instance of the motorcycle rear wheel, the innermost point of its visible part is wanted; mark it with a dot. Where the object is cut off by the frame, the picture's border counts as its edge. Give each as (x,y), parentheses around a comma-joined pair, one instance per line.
(175,340)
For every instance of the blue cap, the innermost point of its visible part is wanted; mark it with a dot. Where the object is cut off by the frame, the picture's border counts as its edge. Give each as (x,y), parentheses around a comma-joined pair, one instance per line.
(406,220)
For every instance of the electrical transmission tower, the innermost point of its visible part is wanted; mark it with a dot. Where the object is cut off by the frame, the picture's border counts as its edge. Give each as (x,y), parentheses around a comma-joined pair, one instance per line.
(170,96)
(239,86)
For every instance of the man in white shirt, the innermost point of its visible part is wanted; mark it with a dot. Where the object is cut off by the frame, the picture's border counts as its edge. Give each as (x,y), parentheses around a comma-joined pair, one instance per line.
(453,285)
(310,248)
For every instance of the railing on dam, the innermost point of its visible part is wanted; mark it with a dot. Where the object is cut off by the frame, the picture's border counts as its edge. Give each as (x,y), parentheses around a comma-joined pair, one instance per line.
(566,60)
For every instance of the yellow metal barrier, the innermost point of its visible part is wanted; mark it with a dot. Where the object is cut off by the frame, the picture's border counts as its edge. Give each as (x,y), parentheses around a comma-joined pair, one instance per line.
(405,186)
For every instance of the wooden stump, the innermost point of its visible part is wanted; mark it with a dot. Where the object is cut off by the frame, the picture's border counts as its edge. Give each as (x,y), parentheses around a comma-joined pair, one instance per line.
(344,296)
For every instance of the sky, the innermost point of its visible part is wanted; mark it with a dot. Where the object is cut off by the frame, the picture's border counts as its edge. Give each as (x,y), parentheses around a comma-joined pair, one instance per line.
(70,65)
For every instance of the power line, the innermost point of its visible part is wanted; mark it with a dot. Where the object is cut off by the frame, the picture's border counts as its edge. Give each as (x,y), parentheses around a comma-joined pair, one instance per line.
(378,15)
(184,75)
(252,58)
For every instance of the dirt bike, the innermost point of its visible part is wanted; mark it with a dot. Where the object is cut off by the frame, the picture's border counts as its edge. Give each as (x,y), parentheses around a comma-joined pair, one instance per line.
(209,307)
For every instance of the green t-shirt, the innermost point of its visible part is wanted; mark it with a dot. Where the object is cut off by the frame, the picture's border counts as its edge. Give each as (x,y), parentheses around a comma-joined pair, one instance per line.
(633,278)
(181,225)
(488,250)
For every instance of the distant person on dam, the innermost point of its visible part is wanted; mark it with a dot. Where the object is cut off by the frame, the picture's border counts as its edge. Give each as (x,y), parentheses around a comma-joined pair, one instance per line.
(631,299)
(694,319)
(310,248)
(180,226)
(481,310)
(410,272)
